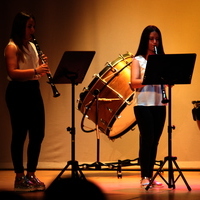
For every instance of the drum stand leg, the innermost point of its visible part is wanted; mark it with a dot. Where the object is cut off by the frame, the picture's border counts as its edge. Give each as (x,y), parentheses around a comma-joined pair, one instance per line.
(97,165)
(126,163)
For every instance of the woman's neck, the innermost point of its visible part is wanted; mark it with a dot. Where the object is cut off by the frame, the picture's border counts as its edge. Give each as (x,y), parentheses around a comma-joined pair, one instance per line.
(149,53)
(25,44)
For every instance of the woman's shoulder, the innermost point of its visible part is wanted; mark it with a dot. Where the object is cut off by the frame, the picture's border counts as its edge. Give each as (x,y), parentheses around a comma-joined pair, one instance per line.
(10,47)
(11,42)
(139,58)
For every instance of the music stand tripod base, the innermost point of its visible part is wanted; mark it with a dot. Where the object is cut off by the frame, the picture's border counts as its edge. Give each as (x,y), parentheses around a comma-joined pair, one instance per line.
(171,183)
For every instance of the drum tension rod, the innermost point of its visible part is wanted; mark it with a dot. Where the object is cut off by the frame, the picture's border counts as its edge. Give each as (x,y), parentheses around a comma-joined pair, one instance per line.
(111,66)
(123,58)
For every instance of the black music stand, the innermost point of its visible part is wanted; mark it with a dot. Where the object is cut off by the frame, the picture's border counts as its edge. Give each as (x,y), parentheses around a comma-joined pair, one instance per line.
(71,70)
(169,69)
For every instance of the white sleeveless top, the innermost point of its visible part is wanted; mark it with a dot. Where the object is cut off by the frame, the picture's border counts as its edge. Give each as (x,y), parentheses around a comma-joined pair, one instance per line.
(149,95)
(31,59)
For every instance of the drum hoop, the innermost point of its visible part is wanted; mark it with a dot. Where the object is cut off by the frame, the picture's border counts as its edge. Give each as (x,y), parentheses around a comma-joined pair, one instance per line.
(124,131)
(96,78)
(121,58)
(107,68)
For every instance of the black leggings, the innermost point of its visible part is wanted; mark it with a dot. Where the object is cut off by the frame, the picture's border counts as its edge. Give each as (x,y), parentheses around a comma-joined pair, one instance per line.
(150,120)
(26,109)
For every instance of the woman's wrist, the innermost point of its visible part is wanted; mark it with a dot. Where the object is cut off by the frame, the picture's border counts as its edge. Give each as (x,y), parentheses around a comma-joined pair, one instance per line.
(35,72)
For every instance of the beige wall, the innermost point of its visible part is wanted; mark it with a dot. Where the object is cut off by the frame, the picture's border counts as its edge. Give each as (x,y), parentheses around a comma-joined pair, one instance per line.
(109,27)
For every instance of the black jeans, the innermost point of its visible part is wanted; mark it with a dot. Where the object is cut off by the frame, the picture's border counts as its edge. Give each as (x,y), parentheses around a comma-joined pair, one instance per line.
(26,110)
(150,120)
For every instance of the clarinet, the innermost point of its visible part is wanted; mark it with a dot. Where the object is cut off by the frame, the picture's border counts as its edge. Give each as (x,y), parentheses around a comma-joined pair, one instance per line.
(164,96)
(40,53)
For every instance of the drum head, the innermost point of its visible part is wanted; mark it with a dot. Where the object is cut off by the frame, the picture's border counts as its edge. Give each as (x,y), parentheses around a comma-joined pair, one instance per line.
(125,122)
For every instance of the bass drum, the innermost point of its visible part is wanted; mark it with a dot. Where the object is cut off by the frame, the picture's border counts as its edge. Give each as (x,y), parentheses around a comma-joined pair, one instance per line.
(109,99)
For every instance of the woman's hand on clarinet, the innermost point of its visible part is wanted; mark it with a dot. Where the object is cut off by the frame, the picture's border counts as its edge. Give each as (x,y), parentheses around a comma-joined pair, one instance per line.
(41,71)
(43,59)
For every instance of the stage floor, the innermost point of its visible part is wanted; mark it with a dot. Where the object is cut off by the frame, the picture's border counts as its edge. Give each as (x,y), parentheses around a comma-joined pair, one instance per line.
(125,188)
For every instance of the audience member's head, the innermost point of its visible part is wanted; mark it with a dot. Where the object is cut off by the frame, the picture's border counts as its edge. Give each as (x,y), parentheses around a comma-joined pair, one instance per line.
(72,189)
(10,195)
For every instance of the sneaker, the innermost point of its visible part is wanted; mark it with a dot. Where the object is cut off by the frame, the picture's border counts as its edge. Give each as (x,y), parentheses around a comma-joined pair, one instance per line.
(144,182)
(23,184)
(38,184)
(157,184)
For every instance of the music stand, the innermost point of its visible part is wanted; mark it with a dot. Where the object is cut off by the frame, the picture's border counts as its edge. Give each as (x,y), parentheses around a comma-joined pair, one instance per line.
(71,70)
(169,69)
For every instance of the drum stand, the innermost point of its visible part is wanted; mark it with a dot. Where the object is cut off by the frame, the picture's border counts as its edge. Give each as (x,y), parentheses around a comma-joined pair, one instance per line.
(97,165)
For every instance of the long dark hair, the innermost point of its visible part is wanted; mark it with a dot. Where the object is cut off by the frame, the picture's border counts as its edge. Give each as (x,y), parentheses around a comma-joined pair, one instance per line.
(144,41)
(19,29)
